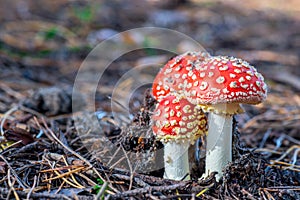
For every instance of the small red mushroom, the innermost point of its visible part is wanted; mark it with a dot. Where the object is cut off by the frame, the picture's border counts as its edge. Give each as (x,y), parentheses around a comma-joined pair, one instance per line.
(222,85)
(177,123)
(178,74)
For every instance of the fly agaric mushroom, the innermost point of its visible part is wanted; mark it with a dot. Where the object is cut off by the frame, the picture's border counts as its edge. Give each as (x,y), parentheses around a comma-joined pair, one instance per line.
(177,74)
(224,84)
(177,123)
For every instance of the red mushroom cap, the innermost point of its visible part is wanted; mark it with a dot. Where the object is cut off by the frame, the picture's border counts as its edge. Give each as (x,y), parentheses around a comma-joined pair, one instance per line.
(227,80)
(175,119)
(177,74)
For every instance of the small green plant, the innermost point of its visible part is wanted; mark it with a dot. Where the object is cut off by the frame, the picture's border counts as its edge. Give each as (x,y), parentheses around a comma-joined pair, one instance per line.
(51,33)
(147,43)
(97,188)
(84,14)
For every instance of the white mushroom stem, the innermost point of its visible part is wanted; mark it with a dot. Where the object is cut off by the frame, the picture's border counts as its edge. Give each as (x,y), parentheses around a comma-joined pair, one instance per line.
(176,160)
(219,143)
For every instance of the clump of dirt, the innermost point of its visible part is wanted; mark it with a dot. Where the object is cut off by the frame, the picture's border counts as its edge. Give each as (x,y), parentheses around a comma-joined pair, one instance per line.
(53,101)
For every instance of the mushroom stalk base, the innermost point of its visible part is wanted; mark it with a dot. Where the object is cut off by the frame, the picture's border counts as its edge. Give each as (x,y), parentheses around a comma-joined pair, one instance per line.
(176,160)
(219,144)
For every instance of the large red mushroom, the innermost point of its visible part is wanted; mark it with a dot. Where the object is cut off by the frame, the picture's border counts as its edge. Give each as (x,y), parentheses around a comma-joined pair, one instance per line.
(223,84)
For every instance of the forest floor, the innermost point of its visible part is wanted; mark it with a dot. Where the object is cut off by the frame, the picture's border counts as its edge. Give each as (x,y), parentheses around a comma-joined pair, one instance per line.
(49,151)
